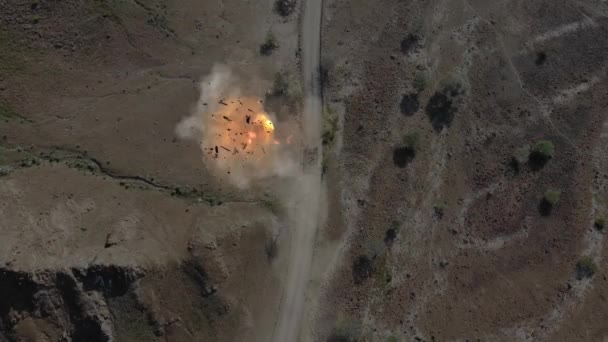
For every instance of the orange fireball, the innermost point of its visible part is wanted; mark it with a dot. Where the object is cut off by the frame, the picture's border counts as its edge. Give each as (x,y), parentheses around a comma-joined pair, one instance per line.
(239,130)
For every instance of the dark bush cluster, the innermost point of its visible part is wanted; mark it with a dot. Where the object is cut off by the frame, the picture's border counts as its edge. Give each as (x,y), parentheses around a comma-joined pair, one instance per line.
(269,45)
(442,107)
(285,7)
(541,153)
(549,201)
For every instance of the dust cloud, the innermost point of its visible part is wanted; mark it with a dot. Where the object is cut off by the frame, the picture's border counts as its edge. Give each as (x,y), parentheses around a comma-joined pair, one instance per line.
(239,139)
(244,143)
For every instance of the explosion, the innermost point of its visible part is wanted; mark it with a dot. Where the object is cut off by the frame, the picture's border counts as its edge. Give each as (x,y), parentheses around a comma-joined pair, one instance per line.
(237,135)
(240,131)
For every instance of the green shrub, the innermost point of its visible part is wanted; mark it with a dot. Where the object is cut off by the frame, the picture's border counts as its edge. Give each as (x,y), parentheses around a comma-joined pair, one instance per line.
(270,44)
(421,81)
(410,140)
(585,268)
(541,153)
(599,223)
(330,125)
(551,197)
(521,155)
(280,85)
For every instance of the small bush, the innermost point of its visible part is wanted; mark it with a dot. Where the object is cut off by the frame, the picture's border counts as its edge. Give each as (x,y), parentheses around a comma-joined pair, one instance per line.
(410,140)
(406,152)
(599,223)
(409,43)
(439,210)
(421,81)
(585,268)
(441,108)
(285,7)
(552,197)
(285,84)
(330,126)
(521,155)
(541,153)
(5,170)
(280,85)
(409,104)
(391,232)
(270,44)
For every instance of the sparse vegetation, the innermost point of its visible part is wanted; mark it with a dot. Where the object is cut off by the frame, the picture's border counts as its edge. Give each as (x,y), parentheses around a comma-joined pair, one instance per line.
(521,155)
(194,194)
(7,111)
(442,106)
(346,330)
(541,153)
(409,43)
(544,148)
(5,170)
(330,125)
(409,104)
(549,201)
(410,140)
(599,223)
(585,268)
(285,7)
(406,152)
(272,204)
(421,81)
(392,339)
(551,197)
(439,210)
(391,232)
(269,45)
(285,84)
(280,85)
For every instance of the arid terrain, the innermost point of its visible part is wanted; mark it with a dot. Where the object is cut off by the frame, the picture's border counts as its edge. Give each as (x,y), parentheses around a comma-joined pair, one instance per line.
(455,186)
(447,231)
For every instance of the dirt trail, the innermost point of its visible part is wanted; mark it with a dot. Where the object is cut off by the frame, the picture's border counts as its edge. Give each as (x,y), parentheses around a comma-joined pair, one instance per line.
(305,200)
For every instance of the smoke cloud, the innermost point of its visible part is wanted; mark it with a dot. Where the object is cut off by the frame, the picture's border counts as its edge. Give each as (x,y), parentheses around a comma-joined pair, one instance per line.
(239,140)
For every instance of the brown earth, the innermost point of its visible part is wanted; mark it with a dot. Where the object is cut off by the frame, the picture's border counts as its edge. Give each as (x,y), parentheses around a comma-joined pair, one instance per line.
(112,228)
(449,242)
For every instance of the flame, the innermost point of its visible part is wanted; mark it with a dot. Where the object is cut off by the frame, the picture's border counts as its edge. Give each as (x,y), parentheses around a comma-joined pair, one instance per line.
(240,130)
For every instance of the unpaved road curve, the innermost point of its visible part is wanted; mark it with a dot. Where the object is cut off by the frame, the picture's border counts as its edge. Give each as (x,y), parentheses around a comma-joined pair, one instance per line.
(305,206)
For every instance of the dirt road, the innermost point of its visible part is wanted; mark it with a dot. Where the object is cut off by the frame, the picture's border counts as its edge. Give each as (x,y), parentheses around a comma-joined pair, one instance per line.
(306,200)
